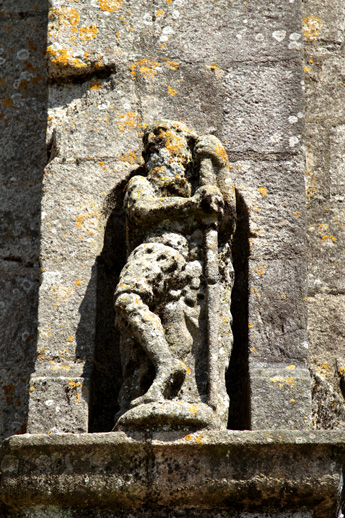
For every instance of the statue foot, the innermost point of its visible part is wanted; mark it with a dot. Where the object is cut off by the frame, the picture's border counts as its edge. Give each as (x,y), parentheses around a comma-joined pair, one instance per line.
(168,379)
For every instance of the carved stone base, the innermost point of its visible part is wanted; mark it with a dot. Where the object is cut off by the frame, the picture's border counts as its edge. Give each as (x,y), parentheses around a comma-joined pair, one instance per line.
(169,415)
(272,473)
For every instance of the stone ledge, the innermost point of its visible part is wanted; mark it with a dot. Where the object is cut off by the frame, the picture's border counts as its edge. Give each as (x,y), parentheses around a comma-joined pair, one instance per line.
(242,471)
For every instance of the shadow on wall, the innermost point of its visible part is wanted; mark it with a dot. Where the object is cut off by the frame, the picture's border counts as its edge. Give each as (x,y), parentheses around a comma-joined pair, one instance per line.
(237,380)
(23,122)
(105,367)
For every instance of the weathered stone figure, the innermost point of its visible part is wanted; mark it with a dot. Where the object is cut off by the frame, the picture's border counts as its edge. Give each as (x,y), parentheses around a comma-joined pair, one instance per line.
(172,301)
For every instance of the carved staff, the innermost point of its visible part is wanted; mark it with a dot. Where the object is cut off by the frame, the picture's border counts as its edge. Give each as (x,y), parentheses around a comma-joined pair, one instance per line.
(207,177)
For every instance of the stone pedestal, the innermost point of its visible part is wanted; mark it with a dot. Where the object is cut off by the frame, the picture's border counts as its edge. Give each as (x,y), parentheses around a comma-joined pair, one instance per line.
(268,473)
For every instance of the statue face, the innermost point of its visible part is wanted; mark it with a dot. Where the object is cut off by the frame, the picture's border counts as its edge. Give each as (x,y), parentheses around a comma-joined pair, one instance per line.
(169,148)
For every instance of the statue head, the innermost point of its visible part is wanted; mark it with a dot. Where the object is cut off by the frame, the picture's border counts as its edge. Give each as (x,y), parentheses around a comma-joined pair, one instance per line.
(168,151)
(167,143)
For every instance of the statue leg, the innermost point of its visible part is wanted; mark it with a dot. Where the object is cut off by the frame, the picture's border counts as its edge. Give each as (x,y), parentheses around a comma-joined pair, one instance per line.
(147,329)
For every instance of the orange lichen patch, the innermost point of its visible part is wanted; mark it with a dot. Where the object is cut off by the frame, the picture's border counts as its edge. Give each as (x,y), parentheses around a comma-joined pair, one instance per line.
(311,184)
(173,65)
(291,367)
(297,214)
(307,69)
(323,227)
(283,381)
(75,384)
(220,151)
(213,66)
(171,91)
(160,12)
(88,33)
(129,157)
(259,270)
(31,389)
(59,293)
(88,222)
(324,369)
(128,121)
(70,338)
(64,16)
(7,102)
(95,85)
(194,409)
(62,58)
(312,26)
(187,437)
(145,67)
(188,370)
(283,296)
(250,325)
(327,236)
(110,5)
(78,282)
(263,191)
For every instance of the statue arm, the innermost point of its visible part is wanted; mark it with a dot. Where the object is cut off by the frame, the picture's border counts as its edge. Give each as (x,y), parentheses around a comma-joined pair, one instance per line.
(144,206)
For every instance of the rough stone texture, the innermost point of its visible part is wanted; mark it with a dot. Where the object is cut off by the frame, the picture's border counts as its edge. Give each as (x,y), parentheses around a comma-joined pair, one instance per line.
(23,120)
(323,28)
(214,472)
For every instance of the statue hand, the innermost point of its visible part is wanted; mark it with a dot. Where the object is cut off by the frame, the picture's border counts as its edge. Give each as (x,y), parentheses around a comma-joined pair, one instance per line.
(209,146)
(209,200)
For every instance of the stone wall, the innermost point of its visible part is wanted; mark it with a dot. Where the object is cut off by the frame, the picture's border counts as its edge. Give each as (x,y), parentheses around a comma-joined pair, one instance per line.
(23,122)
(323,28)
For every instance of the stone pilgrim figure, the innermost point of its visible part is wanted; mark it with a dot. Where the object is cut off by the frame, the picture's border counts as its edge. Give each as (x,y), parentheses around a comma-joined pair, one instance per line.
(172,301)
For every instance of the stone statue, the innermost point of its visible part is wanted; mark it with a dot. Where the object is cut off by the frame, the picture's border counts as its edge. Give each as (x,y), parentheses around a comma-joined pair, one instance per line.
(172,301)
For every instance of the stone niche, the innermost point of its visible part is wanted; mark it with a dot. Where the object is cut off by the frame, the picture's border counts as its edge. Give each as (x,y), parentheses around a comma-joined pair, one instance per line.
(232,71)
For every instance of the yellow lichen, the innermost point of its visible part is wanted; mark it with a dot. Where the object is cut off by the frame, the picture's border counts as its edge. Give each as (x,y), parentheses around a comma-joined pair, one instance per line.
(129,157)
(128,121)
(145,67)
(312,26)
(62,58)
(110,5)
(88,33)
(64,16)
(263,191)
(327,236)
(171,91)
